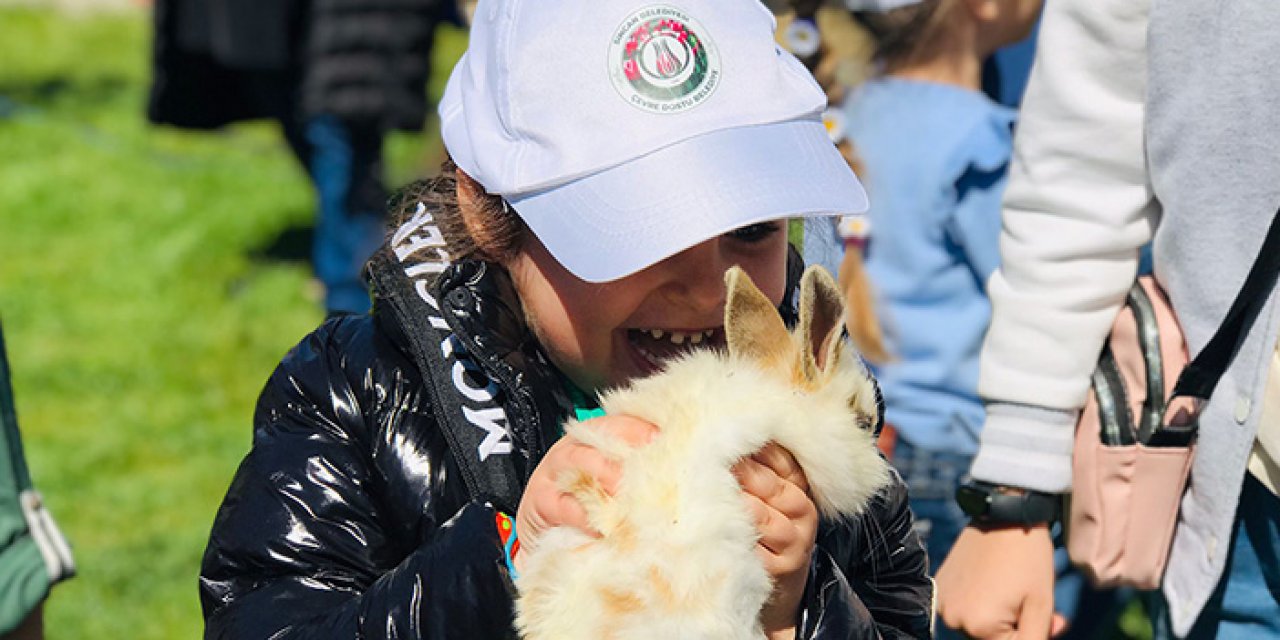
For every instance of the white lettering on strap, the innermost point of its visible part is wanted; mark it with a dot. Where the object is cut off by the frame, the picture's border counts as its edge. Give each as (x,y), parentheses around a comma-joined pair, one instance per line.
(493,421)
(419,236)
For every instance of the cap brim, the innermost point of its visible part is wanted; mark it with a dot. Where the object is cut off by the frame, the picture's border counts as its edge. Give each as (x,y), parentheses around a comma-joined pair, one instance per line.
(616,222)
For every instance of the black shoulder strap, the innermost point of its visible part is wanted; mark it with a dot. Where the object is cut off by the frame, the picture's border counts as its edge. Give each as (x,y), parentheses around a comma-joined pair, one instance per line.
(472,418)
(1200,377)
(9,426)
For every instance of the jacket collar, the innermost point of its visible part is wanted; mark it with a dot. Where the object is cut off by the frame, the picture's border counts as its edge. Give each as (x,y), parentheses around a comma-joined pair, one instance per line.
(478,303)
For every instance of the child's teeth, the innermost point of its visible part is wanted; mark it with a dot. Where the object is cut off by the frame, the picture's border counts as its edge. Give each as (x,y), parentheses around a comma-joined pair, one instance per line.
(679,337)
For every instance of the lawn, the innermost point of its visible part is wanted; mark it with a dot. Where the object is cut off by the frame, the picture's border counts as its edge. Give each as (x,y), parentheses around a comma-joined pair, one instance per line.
(149,283)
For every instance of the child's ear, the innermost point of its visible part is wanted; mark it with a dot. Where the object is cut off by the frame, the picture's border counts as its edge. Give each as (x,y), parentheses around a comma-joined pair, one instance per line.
(821,321)
(752,326)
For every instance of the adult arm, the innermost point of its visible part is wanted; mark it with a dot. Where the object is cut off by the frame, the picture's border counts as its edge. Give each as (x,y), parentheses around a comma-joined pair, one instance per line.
(303,546)
(1077,209)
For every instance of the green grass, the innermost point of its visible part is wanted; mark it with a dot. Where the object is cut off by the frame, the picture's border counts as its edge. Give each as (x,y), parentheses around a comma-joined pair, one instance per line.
(139,322)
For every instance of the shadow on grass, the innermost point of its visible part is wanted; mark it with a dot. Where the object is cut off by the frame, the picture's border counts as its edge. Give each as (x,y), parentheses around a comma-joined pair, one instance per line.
(291,245)
(39,94)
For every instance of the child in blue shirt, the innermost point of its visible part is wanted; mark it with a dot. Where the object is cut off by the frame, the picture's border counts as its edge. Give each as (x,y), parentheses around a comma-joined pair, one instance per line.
(934,149)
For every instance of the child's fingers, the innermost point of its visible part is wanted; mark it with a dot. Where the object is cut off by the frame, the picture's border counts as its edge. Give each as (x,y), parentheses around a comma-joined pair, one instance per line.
(771,535)
(631,430)
(605,470)
(784,464)
(778,493)
(548,502)
(571,513)
(783,542)
(554,509)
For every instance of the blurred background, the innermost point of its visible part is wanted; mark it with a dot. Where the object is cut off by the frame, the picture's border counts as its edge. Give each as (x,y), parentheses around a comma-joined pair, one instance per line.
(150,279)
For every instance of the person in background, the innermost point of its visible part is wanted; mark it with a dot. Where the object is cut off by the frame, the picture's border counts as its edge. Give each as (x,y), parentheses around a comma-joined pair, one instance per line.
(34,555)
(336,75)
(934,150)
(1005,74)
(1142,122)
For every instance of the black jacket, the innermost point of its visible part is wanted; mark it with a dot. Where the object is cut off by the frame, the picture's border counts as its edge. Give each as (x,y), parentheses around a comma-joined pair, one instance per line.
(349,519)
(221,61)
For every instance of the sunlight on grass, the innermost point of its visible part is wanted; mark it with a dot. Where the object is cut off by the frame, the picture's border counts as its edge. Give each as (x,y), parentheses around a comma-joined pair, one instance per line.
(140,315)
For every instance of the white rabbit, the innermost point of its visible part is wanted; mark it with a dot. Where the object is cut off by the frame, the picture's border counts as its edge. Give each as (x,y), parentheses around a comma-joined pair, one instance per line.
(676,558)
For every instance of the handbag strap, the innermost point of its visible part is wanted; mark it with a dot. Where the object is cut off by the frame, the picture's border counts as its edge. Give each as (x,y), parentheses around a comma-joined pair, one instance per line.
(1201,376)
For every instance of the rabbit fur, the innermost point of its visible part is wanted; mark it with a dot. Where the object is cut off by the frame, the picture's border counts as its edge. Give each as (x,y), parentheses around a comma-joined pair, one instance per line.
(676,559)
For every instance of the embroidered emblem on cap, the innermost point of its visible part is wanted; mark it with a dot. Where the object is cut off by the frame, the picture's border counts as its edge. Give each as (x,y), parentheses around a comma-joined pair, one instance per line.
(661,60)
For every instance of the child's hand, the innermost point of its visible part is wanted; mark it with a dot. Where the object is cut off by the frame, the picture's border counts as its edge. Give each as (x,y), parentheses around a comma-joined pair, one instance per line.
(777,493)
(544,506)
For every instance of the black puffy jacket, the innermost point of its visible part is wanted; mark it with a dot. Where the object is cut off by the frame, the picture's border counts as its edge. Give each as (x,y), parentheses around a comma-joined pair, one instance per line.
(349,518)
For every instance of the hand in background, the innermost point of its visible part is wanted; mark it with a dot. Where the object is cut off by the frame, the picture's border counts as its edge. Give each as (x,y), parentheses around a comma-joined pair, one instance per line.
(998,583)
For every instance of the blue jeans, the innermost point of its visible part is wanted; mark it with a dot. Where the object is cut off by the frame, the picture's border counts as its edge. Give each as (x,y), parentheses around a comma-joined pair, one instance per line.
(932,478)
(1246,603)
(344,162)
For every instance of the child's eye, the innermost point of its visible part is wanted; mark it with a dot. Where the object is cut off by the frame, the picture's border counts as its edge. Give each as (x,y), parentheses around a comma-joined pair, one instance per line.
(753,233)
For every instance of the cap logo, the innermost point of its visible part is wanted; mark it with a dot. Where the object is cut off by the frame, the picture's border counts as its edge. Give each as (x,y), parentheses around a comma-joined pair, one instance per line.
(662,61)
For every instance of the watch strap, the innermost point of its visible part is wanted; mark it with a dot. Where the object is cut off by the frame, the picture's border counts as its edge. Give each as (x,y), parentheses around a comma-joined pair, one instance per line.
(985,503)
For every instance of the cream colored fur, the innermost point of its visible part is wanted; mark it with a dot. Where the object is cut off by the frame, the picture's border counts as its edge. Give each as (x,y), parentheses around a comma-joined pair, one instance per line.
(677,560)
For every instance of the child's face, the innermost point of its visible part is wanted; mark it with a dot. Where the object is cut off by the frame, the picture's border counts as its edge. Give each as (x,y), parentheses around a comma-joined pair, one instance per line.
(602,335)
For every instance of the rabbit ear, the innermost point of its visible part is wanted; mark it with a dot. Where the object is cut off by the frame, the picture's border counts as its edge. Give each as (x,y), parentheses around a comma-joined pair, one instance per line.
(752,325)
(821,321)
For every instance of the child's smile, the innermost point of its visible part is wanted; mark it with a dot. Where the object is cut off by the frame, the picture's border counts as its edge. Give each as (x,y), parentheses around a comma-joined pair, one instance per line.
(604,334)
(653,346)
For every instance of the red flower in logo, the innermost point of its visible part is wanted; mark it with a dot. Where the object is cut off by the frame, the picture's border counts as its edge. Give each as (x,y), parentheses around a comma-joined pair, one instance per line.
(631,69)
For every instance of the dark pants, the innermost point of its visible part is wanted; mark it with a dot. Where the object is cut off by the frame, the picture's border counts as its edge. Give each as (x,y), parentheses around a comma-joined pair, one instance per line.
(1246,603)
(344,162)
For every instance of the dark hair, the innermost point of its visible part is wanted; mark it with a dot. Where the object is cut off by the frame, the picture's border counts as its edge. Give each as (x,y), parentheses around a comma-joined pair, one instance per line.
(492,232)
(900,33)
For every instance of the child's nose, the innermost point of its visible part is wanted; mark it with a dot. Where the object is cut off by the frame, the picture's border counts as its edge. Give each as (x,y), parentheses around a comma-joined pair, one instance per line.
(695,278)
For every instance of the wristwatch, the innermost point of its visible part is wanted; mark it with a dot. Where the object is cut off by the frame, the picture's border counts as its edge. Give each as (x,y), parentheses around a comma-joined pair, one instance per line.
(986,503)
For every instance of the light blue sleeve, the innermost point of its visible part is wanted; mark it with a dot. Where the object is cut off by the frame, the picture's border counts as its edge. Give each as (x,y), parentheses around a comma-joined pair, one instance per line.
(974,226)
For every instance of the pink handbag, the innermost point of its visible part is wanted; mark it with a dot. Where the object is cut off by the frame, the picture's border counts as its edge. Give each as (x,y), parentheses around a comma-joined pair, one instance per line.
(1124,502)
(1136,437)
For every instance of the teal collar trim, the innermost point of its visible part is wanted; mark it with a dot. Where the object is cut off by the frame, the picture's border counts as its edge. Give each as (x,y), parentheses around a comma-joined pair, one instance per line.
(584,407)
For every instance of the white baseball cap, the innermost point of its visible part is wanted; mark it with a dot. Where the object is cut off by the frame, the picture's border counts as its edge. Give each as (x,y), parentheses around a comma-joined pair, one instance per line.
(624,132)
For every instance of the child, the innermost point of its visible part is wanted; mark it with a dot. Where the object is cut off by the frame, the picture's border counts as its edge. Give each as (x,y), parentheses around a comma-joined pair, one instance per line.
(612,161)
(935,150)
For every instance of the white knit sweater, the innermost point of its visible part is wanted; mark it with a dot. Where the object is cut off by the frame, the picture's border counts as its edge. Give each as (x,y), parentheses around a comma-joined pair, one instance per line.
(1136,114)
